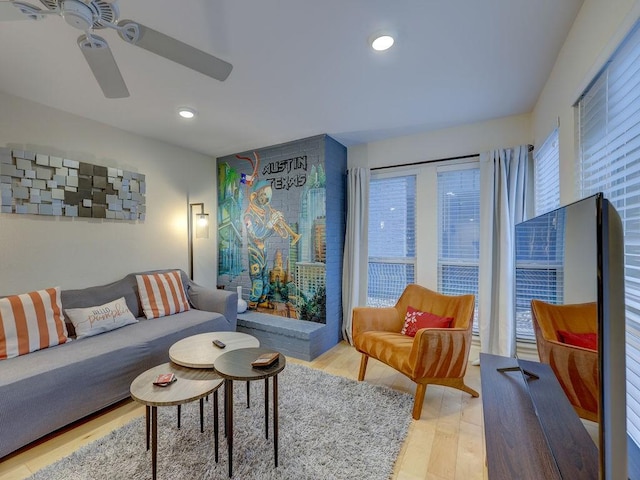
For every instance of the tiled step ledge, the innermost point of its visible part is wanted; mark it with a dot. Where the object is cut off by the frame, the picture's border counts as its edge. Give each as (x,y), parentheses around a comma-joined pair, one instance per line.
(297,338)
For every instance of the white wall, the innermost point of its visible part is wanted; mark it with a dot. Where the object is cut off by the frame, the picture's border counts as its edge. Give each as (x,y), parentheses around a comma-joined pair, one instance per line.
(597,31)
(38,252)
(462,140)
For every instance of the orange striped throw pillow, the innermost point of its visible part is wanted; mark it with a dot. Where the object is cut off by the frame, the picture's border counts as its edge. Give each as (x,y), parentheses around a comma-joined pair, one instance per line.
(162,294)
(31,321)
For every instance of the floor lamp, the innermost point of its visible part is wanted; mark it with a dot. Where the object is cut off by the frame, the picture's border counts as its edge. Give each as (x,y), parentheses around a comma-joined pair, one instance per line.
(201,230)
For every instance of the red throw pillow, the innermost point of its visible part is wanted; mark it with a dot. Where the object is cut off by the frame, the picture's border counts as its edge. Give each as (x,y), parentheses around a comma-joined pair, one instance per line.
(414,320)
(584,340)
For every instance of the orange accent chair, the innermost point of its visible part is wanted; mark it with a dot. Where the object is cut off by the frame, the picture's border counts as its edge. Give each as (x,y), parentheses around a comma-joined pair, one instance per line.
(575,367)
(434,356)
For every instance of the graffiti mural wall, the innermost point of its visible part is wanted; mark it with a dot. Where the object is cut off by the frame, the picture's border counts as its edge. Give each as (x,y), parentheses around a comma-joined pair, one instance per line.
(271,229)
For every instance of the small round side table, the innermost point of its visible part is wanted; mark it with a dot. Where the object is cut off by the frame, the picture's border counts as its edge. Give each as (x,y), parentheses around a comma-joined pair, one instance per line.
(192,384)
(236,365)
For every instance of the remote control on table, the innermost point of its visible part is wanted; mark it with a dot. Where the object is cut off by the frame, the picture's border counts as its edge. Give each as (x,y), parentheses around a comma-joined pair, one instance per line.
(218,343)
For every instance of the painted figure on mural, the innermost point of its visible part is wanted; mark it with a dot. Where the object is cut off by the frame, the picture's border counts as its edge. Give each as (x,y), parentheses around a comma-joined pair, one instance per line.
(261,222)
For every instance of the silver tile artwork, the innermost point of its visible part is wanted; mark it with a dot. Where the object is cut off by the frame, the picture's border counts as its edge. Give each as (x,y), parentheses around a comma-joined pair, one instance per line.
(40,184)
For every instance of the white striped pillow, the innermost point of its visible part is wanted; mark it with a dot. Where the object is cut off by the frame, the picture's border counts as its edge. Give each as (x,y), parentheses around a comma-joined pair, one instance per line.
(162,294)
(31,321)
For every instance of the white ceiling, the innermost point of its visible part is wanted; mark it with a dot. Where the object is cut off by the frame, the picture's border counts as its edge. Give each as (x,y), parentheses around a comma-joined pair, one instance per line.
(301,67)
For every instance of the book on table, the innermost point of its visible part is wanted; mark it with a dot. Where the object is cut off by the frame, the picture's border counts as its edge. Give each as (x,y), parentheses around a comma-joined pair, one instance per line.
(266,359)
(165,379)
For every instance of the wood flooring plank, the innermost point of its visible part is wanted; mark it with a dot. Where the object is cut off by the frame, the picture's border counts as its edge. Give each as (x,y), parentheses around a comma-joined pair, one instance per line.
(470,455)
(18,473)
(443,457)
(415,461)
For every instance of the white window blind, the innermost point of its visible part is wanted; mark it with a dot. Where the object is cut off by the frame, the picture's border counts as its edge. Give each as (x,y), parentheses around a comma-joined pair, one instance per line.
(546,161)
(459,232)
(609,143)
(392,239)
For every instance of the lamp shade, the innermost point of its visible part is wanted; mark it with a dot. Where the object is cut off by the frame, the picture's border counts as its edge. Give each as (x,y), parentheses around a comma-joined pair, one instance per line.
(201,230)
(202,225)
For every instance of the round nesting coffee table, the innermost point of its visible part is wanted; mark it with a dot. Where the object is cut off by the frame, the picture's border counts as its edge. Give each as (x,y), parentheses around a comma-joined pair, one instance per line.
(236,365)
(197,351)
(192,384)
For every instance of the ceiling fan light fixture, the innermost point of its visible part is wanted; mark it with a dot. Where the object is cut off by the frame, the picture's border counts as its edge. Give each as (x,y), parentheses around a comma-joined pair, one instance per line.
(382,42)
(77,14)
(186,112)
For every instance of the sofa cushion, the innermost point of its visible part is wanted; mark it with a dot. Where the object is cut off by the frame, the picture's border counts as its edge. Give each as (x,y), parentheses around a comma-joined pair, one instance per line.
(162,294)
(31,321)
(101,318)
(98,295)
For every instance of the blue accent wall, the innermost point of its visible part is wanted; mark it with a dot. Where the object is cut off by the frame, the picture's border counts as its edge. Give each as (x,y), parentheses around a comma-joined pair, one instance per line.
(335,169)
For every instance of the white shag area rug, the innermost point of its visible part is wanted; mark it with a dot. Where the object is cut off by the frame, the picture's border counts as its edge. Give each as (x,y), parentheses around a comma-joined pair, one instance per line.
(330,427)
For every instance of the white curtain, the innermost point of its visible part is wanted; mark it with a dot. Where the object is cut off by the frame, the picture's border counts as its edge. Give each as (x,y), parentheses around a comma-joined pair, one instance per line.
(355,261)
(506,198)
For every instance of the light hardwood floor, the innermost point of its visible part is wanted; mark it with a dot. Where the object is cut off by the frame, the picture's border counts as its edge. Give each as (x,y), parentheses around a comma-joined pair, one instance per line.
(445,444)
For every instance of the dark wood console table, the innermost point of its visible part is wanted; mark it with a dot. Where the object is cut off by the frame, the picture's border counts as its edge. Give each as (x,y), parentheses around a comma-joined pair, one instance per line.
(531,429)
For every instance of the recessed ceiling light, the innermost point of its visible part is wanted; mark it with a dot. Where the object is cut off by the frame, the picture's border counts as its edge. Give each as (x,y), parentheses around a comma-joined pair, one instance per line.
(382,42)
(186,112)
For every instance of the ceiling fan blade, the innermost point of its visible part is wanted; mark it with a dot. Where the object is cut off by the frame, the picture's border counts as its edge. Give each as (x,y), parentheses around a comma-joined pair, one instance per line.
(100,59)
(9,12)
(172,49)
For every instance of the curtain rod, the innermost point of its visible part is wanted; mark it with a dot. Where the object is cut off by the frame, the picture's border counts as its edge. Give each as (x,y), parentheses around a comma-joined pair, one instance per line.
(423,162)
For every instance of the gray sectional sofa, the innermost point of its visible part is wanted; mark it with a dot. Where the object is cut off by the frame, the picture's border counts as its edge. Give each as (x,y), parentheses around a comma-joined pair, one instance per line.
(48,389)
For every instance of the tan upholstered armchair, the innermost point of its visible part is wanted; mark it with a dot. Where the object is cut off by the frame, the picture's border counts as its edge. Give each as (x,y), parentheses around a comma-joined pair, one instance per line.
(575,367)
(435,355)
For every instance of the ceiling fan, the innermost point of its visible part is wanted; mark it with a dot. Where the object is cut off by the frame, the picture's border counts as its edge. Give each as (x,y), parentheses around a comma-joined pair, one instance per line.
(91,15)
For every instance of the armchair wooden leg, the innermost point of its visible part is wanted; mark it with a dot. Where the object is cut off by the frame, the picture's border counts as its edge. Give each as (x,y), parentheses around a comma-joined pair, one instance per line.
(469,390)
(363,366)
(421,389)
(460,385)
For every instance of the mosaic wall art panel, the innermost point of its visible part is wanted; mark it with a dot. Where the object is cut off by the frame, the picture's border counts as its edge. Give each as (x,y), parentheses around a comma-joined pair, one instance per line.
(39,184)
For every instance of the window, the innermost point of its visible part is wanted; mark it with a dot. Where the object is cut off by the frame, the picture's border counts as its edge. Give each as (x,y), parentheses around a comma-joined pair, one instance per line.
(609,151)
(392,239)
(459,231)
(546,161)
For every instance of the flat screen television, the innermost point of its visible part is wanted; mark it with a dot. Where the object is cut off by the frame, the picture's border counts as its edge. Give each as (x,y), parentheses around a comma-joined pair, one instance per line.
(575,255)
